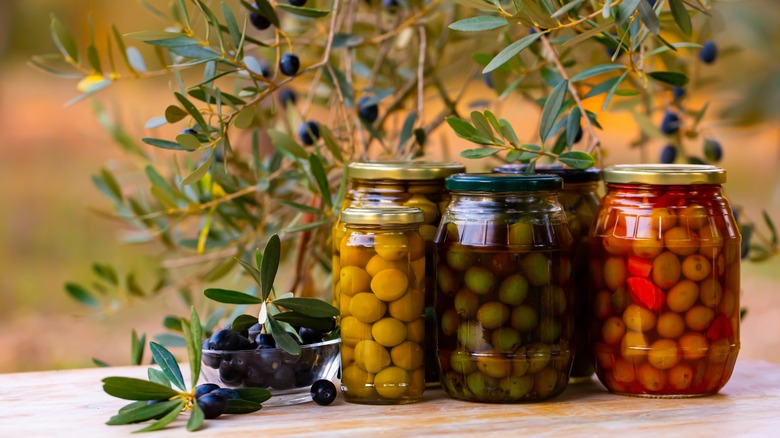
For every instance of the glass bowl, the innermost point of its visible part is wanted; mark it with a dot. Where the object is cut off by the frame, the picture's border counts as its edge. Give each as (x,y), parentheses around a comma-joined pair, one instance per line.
(287,377)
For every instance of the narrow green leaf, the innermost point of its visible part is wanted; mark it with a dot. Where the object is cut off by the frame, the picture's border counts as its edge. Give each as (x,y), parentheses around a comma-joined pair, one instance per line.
(771,225)
(81,295)
(681,16)
(100,363)
(122,48)
(511,51)
(132,405)
(302,207)
(551,109)
(647,14)
(200,171)
(461,127)
(164,144)
(480,152)
(170,340)
(192,111)
(613,90)
(479,24)
(194,338)
(231,296)
(136,389)
(252,271)
(283,339)
(509,133)
(406,128)
(573,126)
(566,8)
(321,177)
(305,227)
(158,376)
(196,418)
(300,320)
(302,11)
(595,71)
(237,406)
(257,395)
(483,126)
(330,143)
(271,256)
(286,145)
(588,34)
(164,421)
(168,364)
(577,159)
(308,306)
(137,348)
(63,39)
(243,322)
(625,10)
(143,412)
(670,77)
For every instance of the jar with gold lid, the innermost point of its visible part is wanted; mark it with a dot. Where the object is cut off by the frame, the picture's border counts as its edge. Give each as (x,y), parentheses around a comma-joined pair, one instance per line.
(665,270)
(418,184)
(382,278)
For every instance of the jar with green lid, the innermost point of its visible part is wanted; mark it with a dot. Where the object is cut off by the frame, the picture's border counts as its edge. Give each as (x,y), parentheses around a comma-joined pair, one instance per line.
(665,268)
(418,184)
(503,289)
(580,198)
(382,306)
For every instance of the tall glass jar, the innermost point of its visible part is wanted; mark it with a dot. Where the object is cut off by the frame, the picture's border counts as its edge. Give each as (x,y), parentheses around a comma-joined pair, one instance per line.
(580,199)
(503,289)
(665,281)
(382,277)
(417,184)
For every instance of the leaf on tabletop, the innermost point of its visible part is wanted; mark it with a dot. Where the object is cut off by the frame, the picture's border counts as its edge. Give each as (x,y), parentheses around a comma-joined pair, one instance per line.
(136,389)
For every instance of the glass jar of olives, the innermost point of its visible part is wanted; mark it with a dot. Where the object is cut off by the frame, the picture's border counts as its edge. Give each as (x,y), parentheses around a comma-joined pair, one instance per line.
(382,306)
(665,261)
(580,198)
(503,290)
(417,184)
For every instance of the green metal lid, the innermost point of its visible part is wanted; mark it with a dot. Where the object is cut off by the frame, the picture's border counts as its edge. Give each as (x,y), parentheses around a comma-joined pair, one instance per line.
(382,216)
(502,182)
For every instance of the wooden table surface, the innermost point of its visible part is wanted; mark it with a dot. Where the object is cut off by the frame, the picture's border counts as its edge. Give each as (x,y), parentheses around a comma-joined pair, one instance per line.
(72,403)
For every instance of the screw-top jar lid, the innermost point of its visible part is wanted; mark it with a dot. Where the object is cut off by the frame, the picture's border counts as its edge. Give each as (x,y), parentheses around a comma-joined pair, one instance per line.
(664,174)
(403,170)
(569,175)
(382,216)
(502,182)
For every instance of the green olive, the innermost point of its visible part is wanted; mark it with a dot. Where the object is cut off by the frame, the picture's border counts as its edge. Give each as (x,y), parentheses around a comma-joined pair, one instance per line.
(639,319)
(546,382)
(459,259)
(620,299)
(493,315)
(538,355)
(516,387)
(671,325)
(634,347)
(513,290)
(615,272)
(429,209)
(648,248)
(693,216)
(666,270)
(699,318)
(664,354)
(553,300)
(710,241)
(505,339)
(549,330)
(696,267)
(651,378)
(682,296)
(612,330)
(480,280)
(536,268)
(520,363)
(524,319)
(450,322)
(466,303)
(480,385)
(521,233)
(663,218)
(681,241)
(447,279)
(710,292)
(494,365)
(462,362)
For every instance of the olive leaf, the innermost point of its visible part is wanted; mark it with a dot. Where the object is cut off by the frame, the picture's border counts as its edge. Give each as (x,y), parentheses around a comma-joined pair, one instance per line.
(168,364)
(136,389)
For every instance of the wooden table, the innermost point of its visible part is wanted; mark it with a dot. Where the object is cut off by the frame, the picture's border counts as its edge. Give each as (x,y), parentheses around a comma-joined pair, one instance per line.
(72,403)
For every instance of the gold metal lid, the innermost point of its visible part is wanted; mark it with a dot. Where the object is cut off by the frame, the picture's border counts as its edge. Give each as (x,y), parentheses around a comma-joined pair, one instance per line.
(404,170)
(382,216)
(664,174)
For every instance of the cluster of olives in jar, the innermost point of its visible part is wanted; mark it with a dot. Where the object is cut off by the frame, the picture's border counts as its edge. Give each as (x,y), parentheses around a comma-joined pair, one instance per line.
(579,198)
(382,305)
(503,295)
(411,184)
(665,277)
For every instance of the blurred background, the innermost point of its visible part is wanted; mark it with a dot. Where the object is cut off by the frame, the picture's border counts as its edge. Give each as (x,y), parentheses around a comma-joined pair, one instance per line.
(50,231)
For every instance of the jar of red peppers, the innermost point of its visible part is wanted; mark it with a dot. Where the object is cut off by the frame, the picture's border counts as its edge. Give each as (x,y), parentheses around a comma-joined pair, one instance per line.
(413,184)
(503,289)
(665,261)
(580,198)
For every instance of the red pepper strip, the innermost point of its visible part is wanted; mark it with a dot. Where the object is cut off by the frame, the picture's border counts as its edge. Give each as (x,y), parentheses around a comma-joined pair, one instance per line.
(645,293)
(639,266)
(720,328)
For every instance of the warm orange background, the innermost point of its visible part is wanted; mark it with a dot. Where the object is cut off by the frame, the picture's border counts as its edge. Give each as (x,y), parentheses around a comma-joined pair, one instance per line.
(48,235)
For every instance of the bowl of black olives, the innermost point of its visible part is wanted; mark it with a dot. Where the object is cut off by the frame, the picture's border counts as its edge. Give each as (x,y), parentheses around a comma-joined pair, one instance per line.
(251,358)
